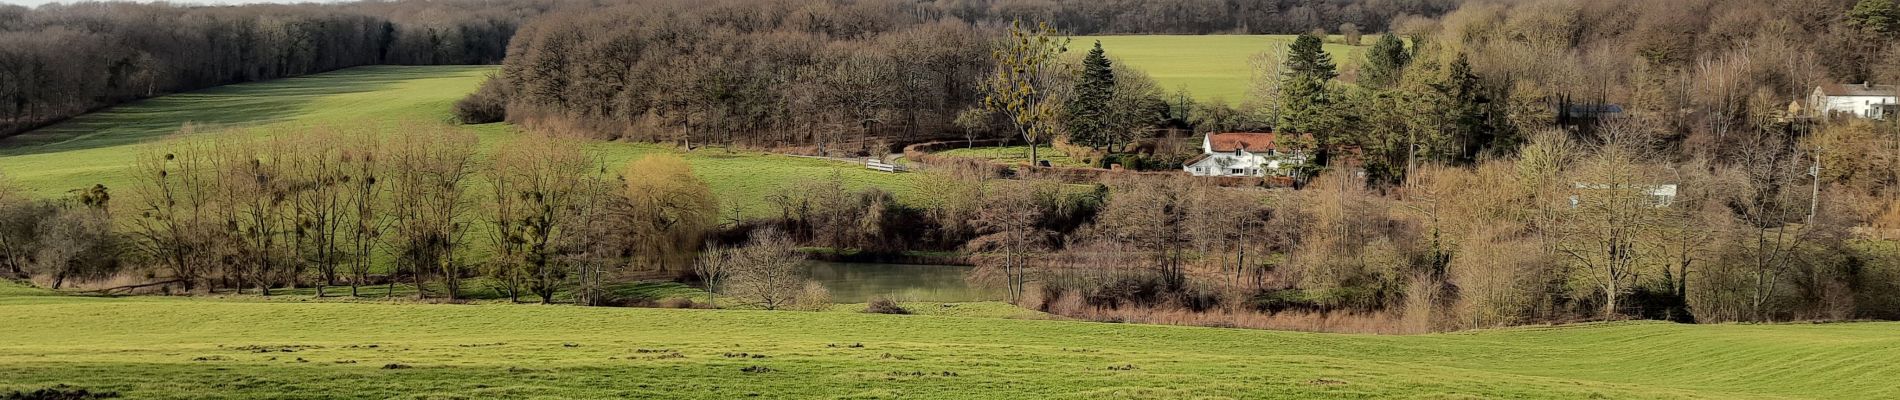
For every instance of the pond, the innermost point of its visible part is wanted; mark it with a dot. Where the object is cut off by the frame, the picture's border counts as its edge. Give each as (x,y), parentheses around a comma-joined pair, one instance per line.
(861,282)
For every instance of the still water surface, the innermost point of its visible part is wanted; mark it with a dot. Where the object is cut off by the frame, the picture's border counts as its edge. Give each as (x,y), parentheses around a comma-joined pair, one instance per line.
(860,282)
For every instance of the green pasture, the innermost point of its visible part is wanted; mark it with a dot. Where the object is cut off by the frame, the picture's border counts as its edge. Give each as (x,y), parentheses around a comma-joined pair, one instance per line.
(1209,66)
(101,147)
(203,348)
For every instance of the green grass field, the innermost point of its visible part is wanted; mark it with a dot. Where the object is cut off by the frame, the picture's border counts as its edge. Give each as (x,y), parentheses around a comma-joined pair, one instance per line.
(1017,154)
(200,348)
(1209,66)
(101,147)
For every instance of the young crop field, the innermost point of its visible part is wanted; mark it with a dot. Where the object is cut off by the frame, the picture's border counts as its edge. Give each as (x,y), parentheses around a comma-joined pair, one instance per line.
(202,348)
(102,147)
(1208,66)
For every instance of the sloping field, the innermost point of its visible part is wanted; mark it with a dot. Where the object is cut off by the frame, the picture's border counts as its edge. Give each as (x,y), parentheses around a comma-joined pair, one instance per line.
(1209,66)
(204,348)
(101,147)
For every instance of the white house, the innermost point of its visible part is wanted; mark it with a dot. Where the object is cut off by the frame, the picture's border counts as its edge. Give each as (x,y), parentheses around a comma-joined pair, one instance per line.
(1240,154)
(1661,195)
(1863,100)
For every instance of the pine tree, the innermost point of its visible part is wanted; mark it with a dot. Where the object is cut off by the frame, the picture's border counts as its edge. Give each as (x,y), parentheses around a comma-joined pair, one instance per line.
(1875,16)
(1306,98)
(1307,57)
(1468,108)
(1385,62)
(1089,117)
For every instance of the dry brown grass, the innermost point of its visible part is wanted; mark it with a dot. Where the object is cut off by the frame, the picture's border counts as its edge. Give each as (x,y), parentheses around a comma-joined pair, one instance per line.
(1334,322)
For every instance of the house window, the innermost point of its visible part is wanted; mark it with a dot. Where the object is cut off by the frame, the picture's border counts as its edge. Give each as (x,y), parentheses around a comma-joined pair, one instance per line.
(1236,171)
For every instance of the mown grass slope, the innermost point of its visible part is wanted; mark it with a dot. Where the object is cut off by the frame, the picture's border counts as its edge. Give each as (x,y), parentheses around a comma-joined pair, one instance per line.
(101,147)
(1209,66)
(204,348)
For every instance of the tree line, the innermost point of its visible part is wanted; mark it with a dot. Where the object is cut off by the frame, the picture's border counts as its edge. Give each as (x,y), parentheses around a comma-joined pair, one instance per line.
(332,207)
(61,60)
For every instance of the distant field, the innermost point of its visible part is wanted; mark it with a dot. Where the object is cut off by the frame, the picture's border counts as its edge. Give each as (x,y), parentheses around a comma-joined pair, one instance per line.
(1209,66)
(200,348)
(1017,154)
(101,147)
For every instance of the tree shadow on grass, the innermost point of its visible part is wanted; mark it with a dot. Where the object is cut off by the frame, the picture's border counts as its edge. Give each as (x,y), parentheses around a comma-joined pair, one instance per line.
(244,104)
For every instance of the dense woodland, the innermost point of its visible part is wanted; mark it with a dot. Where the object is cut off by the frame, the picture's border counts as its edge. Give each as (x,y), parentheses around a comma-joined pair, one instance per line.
(63,60)
(1450,189)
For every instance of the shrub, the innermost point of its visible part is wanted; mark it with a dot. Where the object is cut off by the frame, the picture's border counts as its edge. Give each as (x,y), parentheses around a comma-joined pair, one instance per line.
(883,305)
(815,297)
(487,105)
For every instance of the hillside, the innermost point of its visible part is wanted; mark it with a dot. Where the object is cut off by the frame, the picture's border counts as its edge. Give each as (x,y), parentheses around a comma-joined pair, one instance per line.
(1208,66)
(204,348)
(101,147)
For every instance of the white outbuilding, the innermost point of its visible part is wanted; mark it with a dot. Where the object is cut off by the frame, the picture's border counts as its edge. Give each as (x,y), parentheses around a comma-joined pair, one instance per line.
(1864,100)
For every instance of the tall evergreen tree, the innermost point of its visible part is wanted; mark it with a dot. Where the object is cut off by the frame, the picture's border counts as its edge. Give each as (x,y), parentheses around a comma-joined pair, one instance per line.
(1385,62)
(1307,56)
(1089,116)
(1306,97)
(1468,107)
(1875,16)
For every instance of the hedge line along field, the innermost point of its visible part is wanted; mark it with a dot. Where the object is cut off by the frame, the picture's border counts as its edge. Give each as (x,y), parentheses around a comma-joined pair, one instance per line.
(202,348)
(1208,66)
(101,147)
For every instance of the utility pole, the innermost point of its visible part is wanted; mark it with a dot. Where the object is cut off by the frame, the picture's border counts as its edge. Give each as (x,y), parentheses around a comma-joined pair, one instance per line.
(1814,198)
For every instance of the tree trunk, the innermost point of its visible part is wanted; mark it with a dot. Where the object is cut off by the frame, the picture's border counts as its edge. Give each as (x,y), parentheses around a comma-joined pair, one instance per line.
(420,294)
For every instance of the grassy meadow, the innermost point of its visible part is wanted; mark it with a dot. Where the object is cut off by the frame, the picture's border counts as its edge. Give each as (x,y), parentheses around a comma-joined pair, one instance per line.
(1208,66)
(1018,154)
(101,147)
(202,348)
(297,346)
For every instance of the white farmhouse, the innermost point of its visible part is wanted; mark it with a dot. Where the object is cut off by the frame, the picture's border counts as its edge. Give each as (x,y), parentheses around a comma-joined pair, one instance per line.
(1861,100)
(1240,154)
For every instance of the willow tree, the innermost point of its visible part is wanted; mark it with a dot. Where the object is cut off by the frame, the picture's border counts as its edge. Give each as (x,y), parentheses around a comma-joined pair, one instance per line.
(1018,88)
(669,209)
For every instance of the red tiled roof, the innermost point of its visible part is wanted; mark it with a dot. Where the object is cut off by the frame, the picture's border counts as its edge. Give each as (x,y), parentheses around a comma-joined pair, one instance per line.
(1252,142)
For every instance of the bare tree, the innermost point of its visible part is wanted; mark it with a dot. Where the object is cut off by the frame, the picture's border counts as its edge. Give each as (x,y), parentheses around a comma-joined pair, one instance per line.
(768,271)
(363,200)
(319,192)
(428,170)
(1010,235)
(539,185)
(1609,230)
(79,244)
(174,227)
(713,266)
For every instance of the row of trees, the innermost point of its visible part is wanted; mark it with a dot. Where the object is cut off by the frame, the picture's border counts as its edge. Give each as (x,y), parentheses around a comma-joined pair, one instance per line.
(62,60)
(1197,16)
(356,208)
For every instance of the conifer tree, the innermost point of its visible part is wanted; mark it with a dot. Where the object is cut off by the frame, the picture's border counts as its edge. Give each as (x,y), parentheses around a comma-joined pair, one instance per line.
(1089,119)
(1385,63)
(1305,95)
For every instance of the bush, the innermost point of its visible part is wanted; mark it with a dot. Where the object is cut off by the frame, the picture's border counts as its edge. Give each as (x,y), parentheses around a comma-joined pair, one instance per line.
(815,297)
(884,305)
(486,105)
